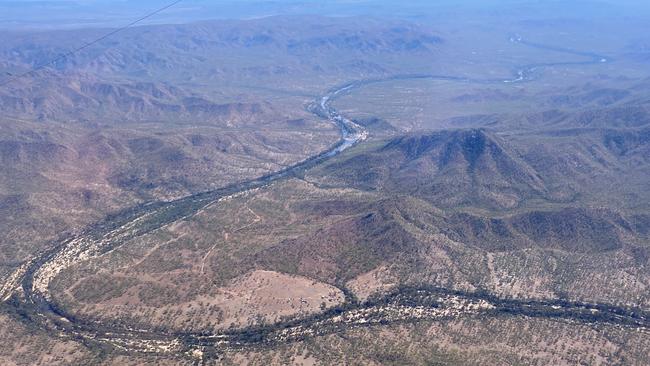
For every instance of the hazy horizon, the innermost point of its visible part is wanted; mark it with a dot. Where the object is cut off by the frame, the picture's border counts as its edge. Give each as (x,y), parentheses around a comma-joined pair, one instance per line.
(57,14)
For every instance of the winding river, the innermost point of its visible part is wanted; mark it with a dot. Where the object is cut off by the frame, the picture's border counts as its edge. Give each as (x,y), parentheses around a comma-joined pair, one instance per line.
(26,293)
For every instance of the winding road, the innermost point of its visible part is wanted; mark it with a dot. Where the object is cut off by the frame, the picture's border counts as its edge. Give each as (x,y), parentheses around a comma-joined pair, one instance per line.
(26,293)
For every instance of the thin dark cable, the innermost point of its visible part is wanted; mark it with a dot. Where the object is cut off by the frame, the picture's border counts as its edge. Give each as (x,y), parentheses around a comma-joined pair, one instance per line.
(70,53)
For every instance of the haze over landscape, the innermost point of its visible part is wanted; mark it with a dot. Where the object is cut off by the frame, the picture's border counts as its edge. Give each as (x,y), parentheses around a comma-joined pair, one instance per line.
(364,182)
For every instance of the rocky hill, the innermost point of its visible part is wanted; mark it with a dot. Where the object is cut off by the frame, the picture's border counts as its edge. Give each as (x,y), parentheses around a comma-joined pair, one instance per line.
(450,168)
